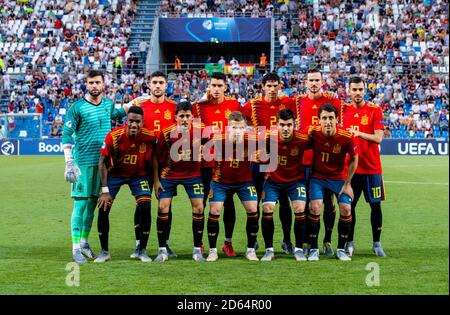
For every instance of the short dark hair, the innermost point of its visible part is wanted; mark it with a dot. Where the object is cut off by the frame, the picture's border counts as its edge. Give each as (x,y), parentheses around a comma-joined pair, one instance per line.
(136,110)
(271,76)
(185,105)
(285,114)
(327,107)
(355,79)
(96,73)
(219,76)
(314,70)
(236,116)
(158,74)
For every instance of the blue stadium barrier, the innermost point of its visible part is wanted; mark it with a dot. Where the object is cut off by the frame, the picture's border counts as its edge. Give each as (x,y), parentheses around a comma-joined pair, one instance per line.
(414,147)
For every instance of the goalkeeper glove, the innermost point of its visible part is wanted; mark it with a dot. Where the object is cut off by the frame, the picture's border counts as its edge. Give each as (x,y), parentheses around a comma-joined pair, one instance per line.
(72,173)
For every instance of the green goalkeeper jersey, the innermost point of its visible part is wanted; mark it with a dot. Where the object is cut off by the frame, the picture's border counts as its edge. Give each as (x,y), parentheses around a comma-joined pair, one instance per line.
(86,126)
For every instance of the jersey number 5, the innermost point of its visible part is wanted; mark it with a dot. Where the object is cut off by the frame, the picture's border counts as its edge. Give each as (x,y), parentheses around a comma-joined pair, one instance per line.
(156,125)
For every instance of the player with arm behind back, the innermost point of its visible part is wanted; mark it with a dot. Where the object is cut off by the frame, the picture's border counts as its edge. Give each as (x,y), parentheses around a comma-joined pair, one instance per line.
(159,113)
(307,107)
(213,110)
(365,121)
(262,113)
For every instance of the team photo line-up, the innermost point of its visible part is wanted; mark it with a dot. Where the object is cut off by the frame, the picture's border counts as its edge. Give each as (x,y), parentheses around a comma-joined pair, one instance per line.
(298,152)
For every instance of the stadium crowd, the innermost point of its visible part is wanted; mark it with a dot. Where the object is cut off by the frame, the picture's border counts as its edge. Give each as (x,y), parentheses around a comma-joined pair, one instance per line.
(399,47)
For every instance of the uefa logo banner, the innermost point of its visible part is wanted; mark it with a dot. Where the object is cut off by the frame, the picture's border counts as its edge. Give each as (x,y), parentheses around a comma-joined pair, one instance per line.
(9,147)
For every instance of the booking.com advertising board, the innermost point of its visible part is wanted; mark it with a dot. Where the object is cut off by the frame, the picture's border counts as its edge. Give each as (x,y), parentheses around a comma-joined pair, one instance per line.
(203,30)
(388,147)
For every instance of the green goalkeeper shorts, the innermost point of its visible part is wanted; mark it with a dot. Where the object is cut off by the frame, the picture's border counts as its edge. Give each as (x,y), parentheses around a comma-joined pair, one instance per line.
(88,185)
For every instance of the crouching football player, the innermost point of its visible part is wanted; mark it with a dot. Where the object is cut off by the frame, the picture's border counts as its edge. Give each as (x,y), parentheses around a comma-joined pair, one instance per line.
(331,144)
(288,177)
(124,156)
(178,152)
(232,174)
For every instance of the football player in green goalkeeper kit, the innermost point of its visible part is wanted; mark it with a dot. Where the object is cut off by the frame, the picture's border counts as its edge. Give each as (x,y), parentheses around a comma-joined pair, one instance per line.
(88,121)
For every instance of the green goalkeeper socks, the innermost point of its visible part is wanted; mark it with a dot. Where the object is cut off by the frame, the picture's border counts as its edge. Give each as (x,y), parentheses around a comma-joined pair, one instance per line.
(77,219)
(88,217)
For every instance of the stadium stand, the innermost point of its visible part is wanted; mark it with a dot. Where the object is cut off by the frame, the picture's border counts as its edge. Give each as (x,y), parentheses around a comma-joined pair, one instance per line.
(400,47)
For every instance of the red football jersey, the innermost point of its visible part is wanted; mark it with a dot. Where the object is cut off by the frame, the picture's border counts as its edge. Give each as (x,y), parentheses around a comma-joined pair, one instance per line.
(157,117)
(366,119)
(307,111)
(216,116)
(184,165)
(289,167)
(329,157)
(128,156)
(233,166)
(264,114)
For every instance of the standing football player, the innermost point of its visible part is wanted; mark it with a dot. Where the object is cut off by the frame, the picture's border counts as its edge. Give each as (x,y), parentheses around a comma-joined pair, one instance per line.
(365,121)
(159,113)
(213,110)
(307,107)
(88,120)
(262,113)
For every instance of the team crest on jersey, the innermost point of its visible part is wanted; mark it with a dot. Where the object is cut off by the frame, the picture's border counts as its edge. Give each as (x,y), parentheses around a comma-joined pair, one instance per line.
(227,113)
(142,148)
(365,120)
(294,151)
(337,148)
(167,115)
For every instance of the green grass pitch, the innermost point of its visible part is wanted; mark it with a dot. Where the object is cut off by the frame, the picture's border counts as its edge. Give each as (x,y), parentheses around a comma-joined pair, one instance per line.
(35,246)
